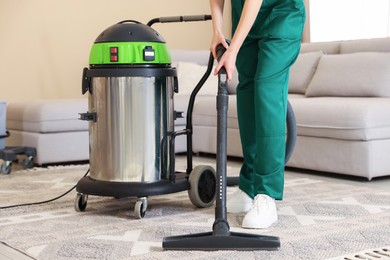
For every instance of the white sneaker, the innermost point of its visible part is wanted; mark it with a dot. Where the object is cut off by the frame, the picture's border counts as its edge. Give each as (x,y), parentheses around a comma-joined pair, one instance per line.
(239,202)
(262,214)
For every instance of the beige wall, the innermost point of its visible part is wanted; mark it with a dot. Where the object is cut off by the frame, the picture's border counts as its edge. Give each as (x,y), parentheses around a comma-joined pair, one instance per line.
(45,43)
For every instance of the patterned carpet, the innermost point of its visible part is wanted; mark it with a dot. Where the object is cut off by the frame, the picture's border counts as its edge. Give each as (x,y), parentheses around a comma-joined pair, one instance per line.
(317,220)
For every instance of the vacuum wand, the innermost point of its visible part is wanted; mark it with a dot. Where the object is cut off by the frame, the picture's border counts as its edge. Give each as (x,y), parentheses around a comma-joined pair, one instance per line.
(175,19)
(222,107)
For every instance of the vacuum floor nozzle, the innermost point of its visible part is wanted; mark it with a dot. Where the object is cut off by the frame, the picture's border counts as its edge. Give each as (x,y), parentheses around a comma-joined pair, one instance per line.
(208,241)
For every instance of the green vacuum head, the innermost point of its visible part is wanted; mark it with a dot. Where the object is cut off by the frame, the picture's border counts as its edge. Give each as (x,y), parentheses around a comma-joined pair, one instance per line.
(129,43)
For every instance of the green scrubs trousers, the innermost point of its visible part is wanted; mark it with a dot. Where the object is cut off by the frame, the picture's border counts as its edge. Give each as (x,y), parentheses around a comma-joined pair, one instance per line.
(263,65)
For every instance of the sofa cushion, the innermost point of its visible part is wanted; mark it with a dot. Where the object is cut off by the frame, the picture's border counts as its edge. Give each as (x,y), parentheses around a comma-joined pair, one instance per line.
(357,118)
(326,47)
(200,57)
(189,75)
(302,71)
(369,45)
(53,147)
(205,110)
(47,116)
(352,75)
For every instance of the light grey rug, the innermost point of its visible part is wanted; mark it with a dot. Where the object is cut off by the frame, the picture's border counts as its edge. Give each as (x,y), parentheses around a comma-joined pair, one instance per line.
(317,220)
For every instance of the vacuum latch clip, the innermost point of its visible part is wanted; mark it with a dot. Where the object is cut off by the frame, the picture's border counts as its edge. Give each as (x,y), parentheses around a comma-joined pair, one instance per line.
(178,114)
(88,116)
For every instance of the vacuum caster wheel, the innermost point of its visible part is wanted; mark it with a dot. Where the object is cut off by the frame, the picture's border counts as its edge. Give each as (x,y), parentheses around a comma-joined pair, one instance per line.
(6,167)
(203,186)
(28,163)
(140,207)
(80,203)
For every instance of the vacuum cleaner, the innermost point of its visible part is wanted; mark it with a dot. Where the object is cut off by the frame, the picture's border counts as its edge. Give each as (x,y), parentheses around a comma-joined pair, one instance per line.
(131,85)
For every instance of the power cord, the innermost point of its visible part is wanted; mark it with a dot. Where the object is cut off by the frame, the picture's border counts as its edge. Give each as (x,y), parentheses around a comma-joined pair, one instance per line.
(45,201)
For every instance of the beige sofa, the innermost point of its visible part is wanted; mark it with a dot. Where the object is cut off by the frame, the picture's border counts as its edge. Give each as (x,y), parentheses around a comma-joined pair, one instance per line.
(340,92)
(52,127)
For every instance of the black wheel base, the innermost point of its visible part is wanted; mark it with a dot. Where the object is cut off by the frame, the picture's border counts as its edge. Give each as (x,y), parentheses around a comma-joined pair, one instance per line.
(90,186)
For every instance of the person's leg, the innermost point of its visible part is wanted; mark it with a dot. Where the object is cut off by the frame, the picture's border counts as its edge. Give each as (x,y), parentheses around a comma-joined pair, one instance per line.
(246,67)
(261,110)
(270,94)
(271,86)
(262,119)
(242,200)
(276,53)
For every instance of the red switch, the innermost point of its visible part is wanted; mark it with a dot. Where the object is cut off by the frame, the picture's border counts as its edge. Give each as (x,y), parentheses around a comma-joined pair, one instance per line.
(113,58)
(113,50)
(113,54)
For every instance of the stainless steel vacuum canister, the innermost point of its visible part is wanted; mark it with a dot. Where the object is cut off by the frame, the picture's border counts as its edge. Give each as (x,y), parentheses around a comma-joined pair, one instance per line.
(131,86)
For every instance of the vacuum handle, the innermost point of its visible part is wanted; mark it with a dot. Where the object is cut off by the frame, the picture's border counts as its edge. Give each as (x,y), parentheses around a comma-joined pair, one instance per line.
(220,51)
(175,19)
(85,82)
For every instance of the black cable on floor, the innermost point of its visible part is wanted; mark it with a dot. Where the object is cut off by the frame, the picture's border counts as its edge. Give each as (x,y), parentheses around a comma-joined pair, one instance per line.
(45,201)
